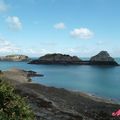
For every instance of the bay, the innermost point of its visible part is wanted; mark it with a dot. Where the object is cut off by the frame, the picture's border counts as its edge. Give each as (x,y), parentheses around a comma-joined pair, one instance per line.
(98,81)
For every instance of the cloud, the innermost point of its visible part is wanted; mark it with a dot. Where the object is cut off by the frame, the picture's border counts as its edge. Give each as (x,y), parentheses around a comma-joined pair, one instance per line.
(3,6)
(7,47)
(81,33)
(60,26)
(14,22)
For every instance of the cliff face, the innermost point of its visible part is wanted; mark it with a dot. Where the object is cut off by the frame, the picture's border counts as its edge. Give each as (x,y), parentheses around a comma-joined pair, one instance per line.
(57,59)
(103,58)
(14,58)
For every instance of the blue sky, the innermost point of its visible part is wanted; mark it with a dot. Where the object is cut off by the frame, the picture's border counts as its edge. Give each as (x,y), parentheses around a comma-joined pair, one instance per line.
(75,27)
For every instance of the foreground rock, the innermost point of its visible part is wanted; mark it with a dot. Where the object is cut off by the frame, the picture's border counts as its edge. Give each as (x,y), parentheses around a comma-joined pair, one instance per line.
(57,59)
(31,73)
(14,58)
(19,76)
(49,103)
(103,58)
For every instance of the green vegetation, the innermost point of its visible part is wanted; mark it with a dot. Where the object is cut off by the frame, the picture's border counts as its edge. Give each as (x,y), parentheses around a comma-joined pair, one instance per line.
(12,106)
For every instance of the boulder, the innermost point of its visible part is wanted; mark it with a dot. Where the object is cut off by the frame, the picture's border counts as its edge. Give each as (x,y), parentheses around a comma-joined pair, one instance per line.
(31,73)
(103,58)
(57,59)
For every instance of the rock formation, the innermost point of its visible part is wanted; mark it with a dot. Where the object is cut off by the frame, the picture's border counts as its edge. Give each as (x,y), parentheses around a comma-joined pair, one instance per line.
(102,58)
(57,59)
(19,75)
(14,58)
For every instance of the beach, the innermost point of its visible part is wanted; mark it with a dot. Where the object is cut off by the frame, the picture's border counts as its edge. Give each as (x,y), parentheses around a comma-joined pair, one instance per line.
(50,103)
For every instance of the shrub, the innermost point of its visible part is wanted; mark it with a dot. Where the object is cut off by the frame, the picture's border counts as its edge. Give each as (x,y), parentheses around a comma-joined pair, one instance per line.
(12,106)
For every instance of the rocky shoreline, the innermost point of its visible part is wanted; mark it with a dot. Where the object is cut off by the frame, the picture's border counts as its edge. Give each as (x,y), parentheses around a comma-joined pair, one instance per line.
(50,103)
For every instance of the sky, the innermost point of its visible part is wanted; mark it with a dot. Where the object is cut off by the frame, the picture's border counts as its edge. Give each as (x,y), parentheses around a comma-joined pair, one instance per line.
(75,27)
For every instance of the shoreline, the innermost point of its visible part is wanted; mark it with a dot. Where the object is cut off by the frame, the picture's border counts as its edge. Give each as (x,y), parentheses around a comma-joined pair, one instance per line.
(94,96)
(76,103)
(50,103)
(85,94)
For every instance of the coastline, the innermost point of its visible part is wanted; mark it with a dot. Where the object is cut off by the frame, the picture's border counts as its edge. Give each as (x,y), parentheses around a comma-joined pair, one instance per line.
(94,97)
(74,103)
(50,103)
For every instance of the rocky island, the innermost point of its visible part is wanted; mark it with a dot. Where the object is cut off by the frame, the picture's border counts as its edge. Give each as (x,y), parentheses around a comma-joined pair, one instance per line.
(14,58)
(103,58)
(57,59)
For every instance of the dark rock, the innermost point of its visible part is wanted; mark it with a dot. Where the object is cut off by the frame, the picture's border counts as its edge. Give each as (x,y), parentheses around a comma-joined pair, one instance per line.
(103,58)
(0,71)
(33,74)
(57,59)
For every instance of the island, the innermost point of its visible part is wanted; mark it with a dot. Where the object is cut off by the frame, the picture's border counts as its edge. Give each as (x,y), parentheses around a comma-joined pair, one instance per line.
(15,58)
(57,59)
(102,58)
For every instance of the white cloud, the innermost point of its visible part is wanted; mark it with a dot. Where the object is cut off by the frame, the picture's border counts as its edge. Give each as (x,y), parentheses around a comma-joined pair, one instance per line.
(59,26)
(14,22)
(7,47)
(81,33)
(3,6)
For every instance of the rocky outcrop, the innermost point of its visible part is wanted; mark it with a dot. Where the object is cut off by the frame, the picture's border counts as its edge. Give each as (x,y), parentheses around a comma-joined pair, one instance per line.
(102,58)
(57,59)
(31,73)
(14,58)
(19,75)
(49,103)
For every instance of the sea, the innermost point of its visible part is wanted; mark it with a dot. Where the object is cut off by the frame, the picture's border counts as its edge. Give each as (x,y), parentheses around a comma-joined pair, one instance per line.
(94,80)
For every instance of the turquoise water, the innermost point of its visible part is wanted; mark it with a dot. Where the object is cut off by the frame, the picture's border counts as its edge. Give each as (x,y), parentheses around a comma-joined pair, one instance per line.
(99,81)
